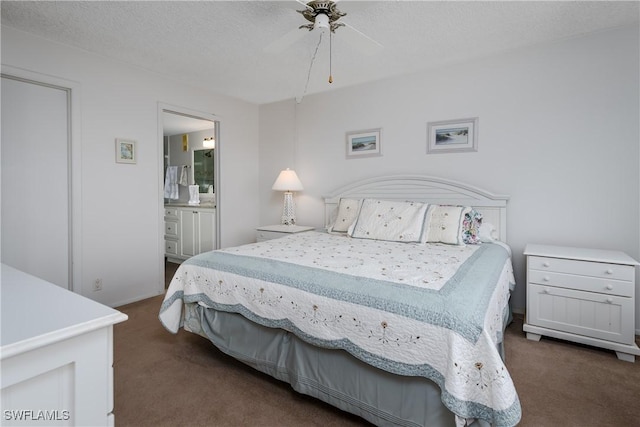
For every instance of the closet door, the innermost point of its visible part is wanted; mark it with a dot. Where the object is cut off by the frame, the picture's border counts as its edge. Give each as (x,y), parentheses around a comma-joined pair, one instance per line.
(35,180)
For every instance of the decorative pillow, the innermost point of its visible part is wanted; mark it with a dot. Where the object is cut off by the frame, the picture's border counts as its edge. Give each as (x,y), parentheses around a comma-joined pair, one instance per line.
(387,220)
(444,224)
(471,227)
(487,233)
(347,213)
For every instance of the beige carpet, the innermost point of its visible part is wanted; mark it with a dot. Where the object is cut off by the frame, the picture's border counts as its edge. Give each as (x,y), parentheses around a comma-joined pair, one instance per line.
(183,380)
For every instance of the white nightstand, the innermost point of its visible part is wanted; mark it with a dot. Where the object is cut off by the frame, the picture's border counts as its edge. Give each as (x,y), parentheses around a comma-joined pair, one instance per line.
(269,232)
(582,295)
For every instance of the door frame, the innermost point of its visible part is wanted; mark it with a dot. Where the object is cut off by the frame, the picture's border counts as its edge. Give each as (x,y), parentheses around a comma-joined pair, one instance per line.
(175,109)
(74,169)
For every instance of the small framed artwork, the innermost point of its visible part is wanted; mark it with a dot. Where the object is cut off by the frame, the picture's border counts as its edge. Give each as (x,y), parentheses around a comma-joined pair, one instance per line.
(125,151)
(365,143)
(452,136)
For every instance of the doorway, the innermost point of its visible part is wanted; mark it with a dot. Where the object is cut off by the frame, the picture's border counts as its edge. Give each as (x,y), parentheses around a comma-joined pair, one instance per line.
(177,122)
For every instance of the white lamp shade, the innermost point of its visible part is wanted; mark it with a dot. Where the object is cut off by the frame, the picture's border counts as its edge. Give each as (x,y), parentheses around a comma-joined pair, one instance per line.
(287,181)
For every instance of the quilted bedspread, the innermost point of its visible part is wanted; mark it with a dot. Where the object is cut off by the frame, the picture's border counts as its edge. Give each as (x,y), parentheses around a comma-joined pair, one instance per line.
(430,310)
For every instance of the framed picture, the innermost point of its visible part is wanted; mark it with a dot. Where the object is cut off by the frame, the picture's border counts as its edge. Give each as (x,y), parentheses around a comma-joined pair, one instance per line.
(125,151)
(452,136)
(364,143)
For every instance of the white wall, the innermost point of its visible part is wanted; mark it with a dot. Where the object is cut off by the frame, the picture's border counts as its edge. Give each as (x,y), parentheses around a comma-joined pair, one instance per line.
(120,206)
(558,132)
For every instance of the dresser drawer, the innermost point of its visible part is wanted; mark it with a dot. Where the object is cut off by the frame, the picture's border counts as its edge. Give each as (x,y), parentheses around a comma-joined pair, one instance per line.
(171,247)
(171,228)
(582,268)
(584,283)
(171,213)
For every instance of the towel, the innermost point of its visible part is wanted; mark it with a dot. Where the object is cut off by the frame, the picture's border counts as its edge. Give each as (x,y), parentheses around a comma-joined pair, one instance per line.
(171,183)
(183,176)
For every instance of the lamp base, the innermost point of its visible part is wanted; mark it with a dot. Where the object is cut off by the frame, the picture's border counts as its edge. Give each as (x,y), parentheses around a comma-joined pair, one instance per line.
(288,211)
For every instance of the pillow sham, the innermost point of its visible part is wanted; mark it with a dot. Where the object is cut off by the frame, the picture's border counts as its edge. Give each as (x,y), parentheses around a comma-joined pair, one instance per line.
(347,213)
(388,220)
(471,227)
(487,233)
(444,224)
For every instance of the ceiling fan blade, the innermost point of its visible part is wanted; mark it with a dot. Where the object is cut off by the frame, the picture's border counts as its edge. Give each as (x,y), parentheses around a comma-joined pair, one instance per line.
(304,4)
(360,40)
(288,39)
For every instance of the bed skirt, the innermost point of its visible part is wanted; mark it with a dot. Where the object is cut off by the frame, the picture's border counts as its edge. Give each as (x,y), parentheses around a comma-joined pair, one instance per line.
(330,375)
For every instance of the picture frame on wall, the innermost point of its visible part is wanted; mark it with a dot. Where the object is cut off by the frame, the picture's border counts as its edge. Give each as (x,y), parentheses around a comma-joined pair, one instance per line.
(452,136)
(364,143)
(125,151)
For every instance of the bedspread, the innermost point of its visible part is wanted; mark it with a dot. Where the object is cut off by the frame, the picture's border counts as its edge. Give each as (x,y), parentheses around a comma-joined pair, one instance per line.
(430,310)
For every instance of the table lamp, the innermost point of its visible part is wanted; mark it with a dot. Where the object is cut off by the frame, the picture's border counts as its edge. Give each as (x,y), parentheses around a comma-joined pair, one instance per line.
(288,182)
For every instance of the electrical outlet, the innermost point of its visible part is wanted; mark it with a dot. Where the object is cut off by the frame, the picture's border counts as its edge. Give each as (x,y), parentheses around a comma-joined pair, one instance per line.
(97,285)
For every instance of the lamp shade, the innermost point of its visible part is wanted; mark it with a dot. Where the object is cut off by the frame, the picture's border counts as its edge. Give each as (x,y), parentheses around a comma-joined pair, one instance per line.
(287,181)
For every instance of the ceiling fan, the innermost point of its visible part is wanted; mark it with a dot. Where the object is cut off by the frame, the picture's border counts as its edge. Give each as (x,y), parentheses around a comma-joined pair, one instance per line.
(325,15)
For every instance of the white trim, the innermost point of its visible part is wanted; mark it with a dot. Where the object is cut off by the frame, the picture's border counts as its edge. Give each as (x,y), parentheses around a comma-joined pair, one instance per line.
(426,189)
(73,90)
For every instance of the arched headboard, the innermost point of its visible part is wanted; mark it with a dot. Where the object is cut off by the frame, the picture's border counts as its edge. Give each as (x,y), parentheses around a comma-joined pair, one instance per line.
(426,189)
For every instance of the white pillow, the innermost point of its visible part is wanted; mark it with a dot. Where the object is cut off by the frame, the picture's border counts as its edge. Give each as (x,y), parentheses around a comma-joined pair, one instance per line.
(347,213)
(487,233)
(445,224)
(387,220)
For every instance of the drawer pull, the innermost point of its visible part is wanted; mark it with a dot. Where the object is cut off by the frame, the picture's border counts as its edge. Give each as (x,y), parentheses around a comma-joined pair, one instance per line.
(609,271)
(546,278)
(609,300)
(545,264)
(545,291)
(609,287)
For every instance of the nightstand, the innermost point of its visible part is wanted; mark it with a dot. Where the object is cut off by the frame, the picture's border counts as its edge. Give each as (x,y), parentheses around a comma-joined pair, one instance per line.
(582,295)
(269,232)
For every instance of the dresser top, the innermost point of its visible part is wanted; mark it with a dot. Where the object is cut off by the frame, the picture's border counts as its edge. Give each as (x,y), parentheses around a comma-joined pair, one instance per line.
(36,313)
(582,254)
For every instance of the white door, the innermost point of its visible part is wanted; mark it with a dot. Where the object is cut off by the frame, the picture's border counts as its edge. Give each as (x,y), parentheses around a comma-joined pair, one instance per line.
(35,180)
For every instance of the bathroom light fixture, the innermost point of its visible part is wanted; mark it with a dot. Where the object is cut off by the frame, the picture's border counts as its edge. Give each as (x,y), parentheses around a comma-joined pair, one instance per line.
(288,182)
(209,142)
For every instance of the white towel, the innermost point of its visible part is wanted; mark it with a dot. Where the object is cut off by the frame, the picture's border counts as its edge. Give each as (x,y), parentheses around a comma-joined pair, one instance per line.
(171,183)
(183,176)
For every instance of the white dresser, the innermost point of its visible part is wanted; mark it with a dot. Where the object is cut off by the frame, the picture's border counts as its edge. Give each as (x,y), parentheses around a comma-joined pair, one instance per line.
(56,354)
(582,295)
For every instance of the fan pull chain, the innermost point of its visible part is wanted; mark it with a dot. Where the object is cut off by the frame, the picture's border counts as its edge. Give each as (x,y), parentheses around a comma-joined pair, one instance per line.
(330,55)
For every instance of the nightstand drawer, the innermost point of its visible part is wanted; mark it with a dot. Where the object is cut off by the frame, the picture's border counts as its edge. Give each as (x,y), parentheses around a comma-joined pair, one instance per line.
(262,235)
(607,317)
(582,268)
(583,283)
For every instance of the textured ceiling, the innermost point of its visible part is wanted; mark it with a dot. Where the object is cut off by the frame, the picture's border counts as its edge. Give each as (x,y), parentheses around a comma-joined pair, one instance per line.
(252,50)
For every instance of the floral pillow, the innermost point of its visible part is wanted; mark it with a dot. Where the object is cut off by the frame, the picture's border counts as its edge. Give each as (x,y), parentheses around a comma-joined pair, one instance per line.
(347,213)
(471,227)
(391,221)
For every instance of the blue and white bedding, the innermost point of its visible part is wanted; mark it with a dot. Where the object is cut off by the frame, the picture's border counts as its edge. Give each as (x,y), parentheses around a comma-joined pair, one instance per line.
(412,309)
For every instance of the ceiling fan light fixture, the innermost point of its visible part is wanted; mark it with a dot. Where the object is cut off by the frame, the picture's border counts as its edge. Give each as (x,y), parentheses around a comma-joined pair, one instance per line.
(321,22)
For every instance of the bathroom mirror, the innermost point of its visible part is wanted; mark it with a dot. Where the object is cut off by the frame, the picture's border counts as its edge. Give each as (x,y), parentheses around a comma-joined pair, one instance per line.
(203,169)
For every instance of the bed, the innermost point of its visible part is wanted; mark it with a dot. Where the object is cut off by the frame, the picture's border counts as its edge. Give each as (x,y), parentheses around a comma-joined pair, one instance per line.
(394,311)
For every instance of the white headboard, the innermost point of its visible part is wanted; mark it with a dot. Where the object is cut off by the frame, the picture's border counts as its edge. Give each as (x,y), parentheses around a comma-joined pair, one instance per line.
(426,189)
